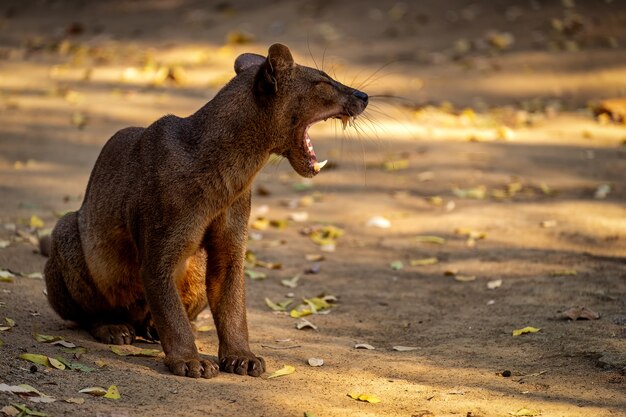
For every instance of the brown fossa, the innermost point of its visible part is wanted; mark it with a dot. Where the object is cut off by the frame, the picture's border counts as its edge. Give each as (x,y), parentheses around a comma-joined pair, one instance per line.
(162,230)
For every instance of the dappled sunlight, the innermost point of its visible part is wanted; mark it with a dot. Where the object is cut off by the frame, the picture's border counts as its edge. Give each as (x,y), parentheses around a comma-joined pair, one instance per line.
(496,186)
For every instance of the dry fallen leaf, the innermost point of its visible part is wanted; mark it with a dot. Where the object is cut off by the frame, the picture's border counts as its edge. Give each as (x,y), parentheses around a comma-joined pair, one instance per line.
(364,346)
(496,283)
(304,323)
(525,412)
(95,391)
(42,360)
(525,330)
(465,278)
(430,239)
(255,275)
(291,283)
(379,222)
(315,362)
(25,411)
(577,313)
(564,273)
(404,348)
(129,350)
(424,261)
(285,370)
(370,398)
(75,400)
(280,306)
(396,265)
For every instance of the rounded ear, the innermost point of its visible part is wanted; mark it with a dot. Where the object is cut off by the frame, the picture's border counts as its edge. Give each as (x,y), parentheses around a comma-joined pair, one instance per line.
(280,56)
(244,61)
(278,59)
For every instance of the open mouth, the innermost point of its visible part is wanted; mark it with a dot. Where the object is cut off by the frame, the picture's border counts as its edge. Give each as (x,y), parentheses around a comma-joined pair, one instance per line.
(314,166)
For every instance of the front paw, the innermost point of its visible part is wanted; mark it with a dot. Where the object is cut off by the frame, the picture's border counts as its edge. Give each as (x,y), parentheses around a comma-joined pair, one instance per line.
(192,367)
(242,364)
(114,334)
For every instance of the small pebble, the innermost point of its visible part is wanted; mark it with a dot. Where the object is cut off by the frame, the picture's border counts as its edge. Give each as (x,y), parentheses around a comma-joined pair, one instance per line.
(506,373)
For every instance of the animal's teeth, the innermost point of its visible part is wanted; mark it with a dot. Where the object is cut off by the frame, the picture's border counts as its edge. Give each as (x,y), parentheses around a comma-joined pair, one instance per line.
(319,165)
(344,121)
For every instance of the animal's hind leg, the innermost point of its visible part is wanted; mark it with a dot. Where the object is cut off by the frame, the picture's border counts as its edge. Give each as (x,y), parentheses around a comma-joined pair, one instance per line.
(72,293)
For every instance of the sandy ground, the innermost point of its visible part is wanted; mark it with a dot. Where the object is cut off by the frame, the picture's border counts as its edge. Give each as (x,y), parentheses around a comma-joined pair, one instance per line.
(492,134)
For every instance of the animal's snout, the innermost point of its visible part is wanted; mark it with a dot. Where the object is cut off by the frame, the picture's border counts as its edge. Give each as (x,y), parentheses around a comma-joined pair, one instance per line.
(361,95)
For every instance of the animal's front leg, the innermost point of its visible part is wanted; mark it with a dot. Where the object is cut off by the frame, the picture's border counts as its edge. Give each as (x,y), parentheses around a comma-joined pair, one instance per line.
(170,318)
(226,246)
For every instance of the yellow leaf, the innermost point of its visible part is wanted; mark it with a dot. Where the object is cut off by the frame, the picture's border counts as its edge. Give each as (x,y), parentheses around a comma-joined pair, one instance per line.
(370,398)
(525,330)
(564,272)
(100,364)
(55,363)
(112,393)
(260,224)
(36,222)
(430,239)
(296,314)
(396,165)
(9,321)
(285,370)
(205,328)
(424,261)
(35,358)
(525,412)
(44,338)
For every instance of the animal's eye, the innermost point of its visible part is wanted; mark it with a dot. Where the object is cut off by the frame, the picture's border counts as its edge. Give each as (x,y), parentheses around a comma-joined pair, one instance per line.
(322,84)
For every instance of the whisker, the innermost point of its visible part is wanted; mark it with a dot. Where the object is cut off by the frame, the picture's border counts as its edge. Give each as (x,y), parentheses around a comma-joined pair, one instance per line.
(309,48)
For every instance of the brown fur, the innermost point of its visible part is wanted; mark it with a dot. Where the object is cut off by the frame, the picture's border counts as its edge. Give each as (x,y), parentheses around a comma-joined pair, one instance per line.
(162,230)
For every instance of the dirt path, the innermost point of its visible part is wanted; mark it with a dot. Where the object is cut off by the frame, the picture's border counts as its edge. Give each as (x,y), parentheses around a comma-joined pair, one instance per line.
(525,168)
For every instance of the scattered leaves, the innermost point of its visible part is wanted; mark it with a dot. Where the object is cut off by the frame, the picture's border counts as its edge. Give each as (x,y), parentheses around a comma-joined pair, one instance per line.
(285,370)
(369,398)
(129,350)
(525,330)
(25,411)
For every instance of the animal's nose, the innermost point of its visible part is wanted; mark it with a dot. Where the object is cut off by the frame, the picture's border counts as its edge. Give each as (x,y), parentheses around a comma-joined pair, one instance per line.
(360,95)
